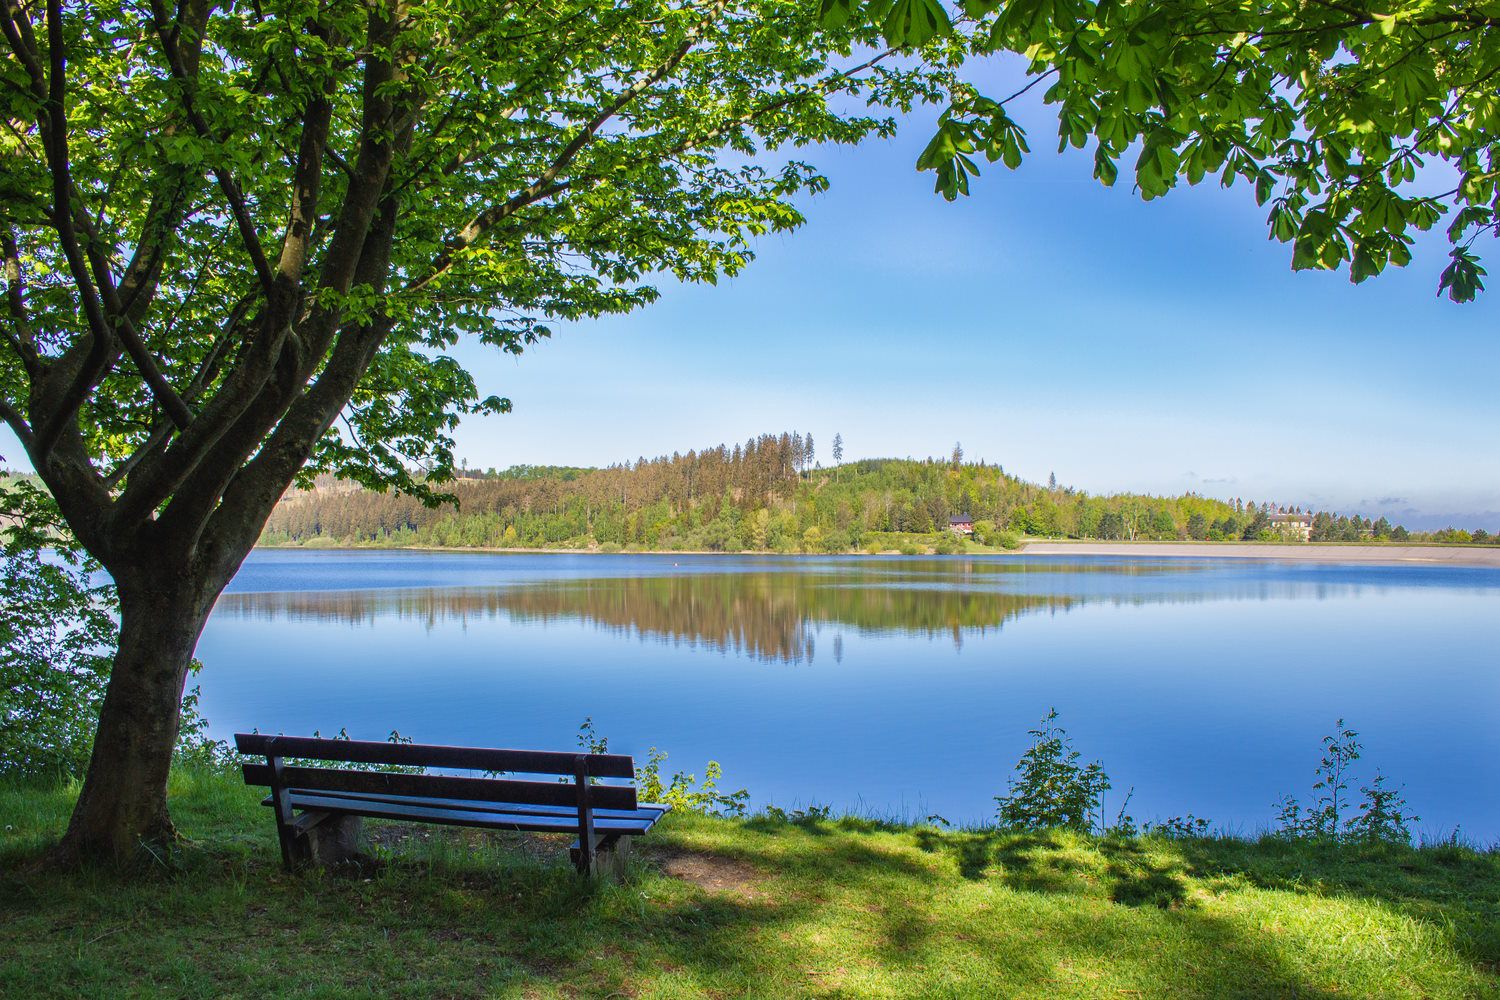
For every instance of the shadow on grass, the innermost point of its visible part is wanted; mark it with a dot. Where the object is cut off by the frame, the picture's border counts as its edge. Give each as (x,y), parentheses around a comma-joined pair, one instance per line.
(1447,887)
(834,911)
(1042,861)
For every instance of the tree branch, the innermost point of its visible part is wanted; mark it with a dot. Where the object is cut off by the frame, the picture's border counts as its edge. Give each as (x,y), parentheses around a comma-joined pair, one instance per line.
(186,79)
(17,424)
(161,432)
(54,123)
(23,341)
(129,336)
(307,179)
(546,183)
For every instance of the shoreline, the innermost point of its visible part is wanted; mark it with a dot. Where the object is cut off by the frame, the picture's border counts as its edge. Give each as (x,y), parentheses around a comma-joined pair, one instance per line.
(1308,552)
(1305,552)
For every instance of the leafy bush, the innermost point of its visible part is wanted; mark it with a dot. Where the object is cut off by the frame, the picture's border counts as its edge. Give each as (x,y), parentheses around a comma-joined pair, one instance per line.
(1179,826)
(1051,789)
(949,545)
(683,791)
(57,634)
(837,542)
(194,748)
(809,815)
(1381,815)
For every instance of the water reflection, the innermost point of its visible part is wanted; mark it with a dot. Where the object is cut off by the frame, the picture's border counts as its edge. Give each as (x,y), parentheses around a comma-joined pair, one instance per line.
(767,616)
(775,615)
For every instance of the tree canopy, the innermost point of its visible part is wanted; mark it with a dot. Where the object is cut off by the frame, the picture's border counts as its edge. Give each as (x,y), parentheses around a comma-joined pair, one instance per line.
(1356,123)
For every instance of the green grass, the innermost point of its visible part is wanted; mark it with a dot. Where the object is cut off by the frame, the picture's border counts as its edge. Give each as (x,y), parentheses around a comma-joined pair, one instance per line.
(742,908)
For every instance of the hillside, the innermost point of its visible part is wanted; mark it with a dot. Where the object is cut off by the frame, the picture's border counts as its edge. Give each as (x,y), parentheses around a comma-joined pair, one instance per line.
(768,495)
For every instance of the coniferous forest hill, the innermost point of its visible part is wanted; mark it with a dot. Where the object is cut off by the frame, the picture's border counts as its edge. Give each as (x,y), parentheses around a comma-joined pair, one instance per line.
(771,494)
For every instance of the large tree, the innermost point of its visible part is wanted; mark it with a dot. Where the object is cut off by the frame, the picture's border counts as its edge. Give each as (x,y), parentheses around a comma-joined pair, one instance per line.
(239,238)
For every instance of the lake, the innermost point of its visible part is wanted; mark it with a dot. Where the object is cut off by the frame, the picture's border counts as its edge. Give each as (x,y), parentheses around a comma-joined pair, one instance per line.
(897,686)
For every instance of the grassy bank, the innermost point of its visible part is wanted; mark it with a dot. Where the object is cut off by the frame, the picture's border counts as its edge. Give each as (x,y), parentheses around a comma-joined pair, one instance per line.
(743,908)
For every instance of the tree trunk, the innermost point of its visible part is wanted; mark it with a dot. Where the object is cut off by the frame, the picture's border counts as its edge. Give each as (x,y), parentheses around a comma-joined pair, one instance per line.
(122,808)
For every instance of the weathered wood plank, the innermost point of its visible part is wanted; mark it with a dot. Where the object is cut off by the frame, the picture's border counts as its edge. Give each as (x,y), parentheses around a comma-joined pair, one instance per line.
(648,809)
(497,820)
(600,765)
(442,786)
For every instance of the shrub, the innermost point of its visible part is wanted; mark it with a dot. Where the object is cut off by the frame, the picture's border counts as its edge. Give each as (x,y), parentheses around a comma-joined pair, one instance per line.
(1006,539)
(684,791)
(949,545)
(1180,826)
(57,635)
(837,542)
(809,815)
(1051,788)
(1380,816)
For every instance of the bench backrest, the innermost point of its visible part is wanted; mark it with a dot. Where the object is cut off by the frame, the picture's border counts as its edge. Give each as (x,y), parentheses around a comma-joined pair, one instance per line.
(579,792)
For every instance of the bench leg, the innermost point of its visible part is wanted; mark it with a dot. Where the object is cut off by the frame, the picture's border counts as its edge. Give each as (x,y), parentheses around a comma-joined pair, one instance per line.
(610,853)
(325,839)
(336,840)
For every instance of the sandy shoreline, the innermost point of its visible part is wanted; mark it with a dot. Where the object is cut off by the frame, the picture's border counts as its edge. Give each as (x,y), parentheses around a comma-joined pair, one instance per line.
(1439,555)
(1388,555)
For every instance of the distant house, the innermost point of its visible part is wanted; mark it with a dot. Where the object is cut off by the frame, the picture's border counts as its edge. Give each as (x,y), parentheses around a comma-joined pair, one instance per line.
(1296,525)
(961,524)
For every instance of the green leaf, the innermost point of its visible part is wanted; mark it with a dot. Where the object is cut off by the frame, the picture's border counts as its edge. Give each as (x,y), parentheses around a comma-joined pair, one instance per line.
(835,13)
(1105,168)
(912,23)
(1461,278)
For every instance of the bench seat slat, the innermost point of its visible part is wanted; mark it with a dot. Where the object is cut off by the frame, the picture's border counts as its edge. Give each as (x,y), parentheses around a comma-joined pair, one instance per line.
(651,810)
(443,786)
(599,765)
(499,819)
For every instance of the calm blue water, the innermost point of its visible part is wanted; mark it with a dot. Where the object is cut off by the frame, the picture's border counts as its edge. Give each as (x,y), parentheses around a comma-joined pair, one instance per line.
(895,686)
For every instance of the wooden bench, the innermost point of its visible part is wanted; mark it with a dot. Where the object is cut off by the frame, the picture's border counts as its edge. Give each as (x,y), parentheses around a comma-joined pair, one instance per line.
(313,806)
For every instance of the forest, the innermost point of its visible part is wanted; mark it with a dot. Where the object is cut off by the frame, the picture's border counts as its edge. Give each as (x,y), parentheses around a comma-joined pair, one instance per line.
(771,494)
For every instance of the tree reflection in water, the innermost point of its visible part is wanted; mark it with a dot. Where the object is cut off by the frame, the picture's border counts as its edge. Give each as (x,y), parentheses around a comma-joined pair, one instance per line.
(770,616)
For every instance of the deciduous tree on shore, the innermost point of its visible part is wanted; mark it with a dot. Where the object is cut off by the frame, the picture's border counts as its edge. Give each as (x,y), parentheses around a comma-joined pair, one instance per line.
(239,239)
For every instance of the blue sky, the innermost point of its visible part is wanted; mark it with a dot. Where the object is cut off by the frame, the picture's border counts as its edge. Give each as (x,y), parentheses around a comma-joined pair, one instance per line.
(1049,324)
